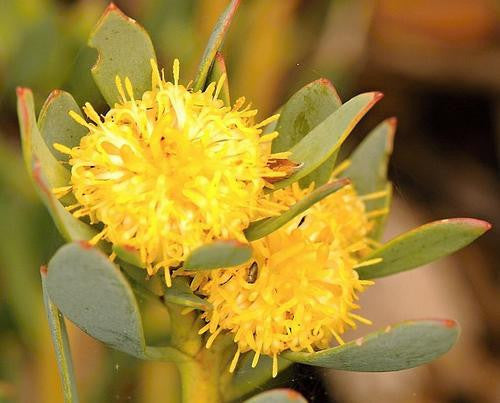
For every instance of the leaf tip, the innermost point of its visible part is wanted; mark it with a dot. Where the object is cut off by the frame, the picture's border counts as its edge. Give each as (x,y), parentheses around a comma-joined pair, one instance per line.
(111,7)
(20,91)
(472,222)
(449,323)
(377,96)
(85,245)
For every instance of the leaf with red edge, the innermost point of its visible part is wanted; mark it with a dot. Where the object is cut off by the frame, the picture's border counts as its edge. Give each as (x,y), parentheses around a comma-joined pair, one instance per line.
(422,245)
(402,346)
(56,126)
(368,170)
(306,109)
(125,50)
(326,138)
(215,74)
(214,44)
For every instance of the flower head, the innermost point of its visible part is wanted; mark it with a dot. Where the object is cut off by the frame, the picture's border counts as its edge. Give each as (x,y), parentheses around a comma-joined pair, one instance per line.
(300,289)
(171,170)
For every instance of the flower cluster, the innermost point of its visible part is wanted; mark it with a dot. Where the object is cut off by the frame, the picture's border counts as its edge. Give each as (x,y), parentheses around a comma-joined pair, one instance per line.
(299,290)
(171,170)
(174,169)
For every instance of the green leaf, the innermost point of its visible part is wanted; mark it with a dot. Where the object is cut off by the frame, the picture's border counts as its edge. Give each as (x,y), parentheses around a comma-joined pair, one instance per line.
(33,144)
(125,50)
(93,293)
(61,343)
(46,172)
(368,169)
(277,396)
(306,109)
(214,44)
(261,228)
(56,126)
(423,245)
(180,293)
(70,227)
(220,254)
(216,72)
(384,204)
(402,346)
(129,255)
(326,138)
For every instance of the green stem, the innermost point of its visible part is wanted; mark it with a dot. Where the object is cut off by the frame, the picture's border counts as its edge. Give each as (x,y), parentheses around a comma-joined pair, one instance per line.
(200,378)
(61,344)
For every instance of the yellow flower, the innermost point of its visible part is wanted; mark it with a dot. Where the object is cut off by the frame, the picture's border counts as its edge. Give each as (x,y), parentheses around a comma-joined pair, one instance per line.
(300,288)
(171,170)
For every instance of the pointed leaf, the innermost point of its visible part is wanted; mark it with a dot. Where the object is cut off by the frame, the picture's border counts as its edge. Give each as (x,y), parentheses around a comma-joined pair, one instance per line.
(56,126)
(216,72)
(384,204)
(423,245)
(125,50)
(61,343)
(33,144)
(180,293)
(326,138)
(369,161)
(261,228)
(277,396)
(214,44)
(402,346)
(306,109)
(220,254)
(46,171)
(368,169)
(93,293)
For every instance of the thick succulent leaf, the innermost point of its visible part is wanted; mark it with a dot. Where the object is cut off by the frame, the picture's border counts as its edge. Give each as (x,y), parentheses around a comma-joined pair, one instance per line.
(93,293)
(214,44)
(60,340)
(71,228)
(220,254)
(326,138)
(125,50)
(216,72)
(261,228)
(129,255)
(42,167)
(369,161)
(180,293)
(247,379)
(33,144)
(306,109)
(277,396)
(56,126)
(383,203)
(423,245)
(368,168)
(402,346)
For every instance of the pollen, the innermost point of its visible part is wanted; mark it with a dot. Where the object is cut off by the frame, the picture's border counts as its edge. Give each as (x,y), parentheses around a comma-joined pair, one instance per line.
(301,288)
(169,170)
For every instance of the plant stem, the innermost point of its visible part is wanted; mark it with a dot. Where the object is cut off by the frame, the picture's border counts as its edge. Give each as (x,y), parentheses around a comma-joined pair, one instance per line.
(200,378)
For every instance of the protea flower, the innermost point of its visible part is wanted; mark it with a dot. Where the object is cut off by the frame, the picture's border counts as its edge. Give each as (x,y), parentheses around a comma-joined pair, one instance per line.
(264,238)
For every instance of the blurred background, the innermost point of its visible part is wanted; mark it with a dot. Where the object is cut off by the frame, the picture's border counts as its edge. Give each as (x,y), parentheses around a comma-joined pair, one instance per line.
(438,63)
